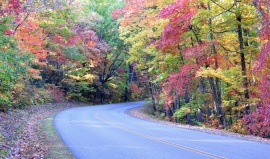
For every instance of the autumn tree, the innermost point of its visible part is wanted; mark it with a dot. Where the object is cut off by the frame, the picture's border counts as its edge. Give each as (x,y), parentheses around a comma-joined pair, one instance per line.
(108,33)
(13,64)
(257,121)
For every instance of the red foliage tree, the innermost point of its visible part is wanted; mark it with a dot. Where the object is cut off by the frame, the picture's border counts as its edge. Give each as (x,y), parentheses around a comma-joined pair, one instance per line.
(179,81)
(131,9)
(180,14)
(261,67)
(14,6)
(30,39)
(11,7)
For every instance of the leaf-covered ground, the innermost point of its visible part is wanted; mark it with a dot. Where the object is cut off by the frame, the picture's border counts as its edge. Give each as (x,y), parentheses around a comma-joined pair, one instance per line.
(20,131)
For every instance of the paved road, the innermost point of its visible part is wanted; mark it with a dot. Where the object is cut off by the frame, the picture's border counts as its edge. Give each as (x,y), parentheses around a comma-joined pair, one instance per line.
(107,132)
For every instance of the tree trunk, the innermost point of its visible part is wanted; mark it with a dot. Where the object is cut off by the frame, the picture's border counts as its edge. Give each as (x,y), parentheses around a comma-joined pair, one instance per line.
(217,99)
(102,99)
(127,84)
(242,54)
(177,102)
(186,97)
(214,82)
(126,93)
(102,95)
(129,79)
(189,120)
(152,96)
(172,110)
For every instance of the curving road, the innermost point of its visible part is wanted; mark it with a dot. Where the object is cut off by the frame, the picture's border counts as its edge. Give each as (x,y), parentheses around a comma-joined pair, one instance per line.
(107,132)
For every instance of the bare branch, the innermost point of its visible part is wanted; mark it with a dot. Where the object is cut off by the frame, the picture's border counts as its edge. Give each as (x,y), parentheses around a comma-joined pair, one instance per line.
(21,22)
(226,10)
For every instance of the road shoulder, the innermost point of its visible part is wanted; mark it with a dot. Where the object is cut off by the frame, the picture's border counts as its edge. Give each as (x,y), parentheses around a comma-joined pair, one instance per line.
(140,112)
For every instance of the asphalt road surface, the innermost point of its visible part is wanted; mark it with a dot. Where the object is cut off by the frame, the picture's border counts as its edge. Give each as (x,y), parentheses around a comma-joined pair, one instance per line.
(107,132)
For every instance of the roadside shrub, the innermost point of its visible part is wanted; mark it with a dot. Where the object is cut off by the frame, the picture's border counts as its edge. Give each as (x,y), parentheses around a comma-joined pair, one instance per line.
(160,115)
(212,121)
(78,91)
(30,95)
(182,112)
(76,96)
(21,96)
(258,122)
(42,96)
(24,96)
(57,94)
(149,107)
(239,127)
(5,101)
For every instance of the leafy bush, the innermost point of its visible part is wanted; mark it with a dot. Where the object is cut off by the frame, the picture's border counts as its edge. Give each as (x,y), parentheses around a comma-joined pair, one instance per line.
(57,93)
(239,127)
(76,96)
(160,115)
(79,91)
(30,95)
(5,101)
(24,96)
(192,107)
(213,121)
(181,113)
(258,122)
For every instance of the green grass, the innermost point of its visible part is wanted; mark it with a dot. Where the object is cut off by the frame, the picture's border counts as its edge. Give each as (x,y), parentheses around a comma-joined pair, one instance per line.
(57,149)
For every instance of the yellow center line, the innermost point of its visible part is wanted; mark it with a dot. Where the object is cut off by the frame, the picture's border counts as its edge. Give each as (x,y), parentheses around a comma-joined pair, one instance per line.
(96,114)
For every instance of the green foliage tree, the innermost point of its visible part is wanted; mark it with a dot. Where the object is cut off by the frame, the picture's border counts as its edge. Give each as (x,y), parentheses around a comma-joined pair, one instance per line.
(13,65)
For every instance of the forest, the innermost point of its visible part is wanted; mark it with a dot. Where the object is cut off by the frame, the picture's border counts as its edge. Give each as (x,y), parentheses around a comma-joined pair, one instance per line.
(198,62)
